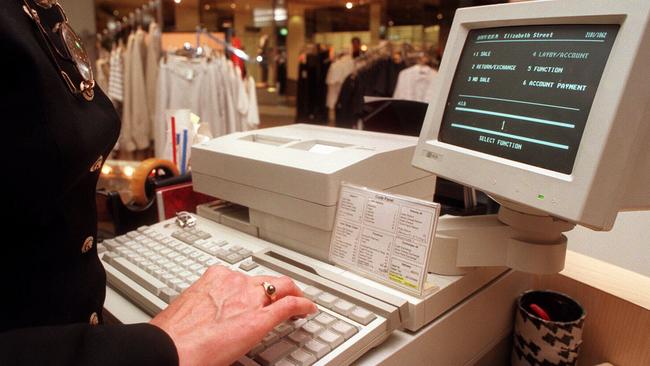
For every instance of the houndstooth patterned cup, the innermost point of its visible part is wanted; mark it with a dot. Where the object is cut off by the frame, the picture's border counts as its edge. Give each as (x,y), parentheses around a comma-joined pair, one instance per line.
(539,342)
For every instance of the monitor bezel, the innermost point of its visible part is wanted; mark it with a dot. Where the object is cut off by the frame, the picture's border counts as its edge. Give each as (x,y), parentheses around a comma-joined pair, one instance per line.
(572,197)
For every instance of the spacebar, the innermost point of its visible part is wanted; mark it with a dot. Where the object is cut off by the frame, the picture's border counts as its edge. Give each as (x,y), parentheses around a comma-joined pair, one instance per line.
(135,273)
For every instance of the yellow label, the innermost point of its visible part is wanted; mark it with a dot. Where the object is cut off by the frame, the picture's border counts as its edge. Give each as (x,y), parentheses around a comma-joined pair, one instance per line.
(402,280)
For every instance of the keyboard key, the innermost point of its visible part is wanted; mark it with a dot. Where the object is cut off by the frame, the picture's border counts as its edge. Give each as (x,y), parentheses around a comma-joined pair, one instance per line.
(302,358)
(220,243)
(204,259)
(122,239)
(270,339)
(203,235)
(235,248)
(177,246)
(185,274)
(245,361)
(283,329)
(326,299)
(151,269)
(330,338)
(255,350)
(212,262)
(325,319)
(148,253)
(144,263)
(284,362)
(192,279)
(311,292)
(313,328)
(248,265)
(168,295)
(344,328)
(317,348)
(274,353)
(132,271)
(166,276)
(221,253)
(180,259)
(298,323)
(111,244)
(232,258)
(143,228)
(362,315)
(176,283)
(176,270)
(245,253)
(343,307)
(187,263)
(299,337)
(207,247)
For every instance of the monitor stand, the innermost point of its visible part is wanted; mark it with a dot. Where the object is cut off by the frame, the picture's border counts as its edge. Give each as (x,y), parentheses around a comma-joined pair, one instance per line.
(517,237)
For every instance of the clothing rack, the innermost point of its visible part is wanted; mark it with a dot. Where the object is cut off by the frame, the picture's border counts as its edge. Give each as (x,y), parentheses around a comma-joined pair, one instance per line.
(200,31)
(140,17)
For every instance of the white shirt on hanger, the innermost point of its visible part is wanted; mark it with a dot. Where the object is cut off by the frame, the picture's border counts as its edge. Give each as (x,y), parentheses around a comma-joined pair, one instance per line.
(338,72)
(415,83)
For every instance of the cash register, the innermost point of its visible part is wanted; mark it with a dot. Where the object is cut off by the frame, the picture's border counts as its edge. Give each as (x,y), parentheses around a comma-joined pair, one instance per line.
(541,105)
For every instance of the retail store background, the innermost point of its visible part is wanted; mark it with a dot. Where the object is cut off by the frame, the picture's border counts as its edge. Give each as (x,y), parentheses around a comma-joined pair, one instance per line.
(624,246)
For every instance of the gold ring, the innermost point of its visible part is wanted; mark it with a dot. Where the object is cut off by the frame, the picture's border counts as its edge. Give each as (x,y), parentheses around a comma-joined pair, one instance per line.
(269,291)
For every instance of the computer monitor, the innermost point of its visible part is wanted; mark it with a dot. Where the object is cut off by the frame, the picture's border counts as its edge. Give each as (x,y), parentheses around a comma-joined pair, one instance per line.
(545,106)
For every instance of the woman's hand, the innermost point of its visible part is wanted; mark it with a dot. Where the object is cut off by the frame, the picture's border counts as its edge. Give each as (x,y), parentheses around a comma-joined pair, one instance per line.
(225,313)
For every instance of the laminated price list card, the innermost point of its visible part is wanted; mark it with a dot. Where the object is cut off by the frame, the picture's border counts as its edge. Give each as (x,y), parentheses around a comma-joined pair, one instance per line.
(384,237)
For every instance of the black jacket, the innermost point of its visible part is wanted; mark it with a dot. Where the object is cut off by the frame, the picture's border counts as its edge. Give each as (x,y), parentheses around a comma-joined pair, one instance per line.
(51,287)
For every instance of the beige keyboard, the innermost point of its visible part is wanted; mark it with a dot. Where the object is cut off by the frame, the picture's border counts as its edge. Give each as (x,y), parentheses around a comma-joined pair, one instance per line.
(153,265)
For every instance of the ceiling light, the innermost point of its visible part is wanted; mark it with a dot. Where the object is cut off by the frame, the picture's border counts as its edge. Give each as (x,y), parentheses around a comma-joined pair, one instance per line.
(349,5)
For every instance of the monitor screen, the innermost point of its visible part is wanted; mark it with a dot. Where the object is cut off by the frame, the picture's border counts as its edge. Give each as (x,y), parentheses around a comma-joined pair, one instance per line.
(524,93)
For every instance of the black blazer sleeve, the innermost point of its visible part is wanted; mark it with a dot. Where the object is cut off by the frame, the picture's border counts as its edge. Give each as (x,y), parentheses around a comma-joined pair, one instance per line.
(82,344)
(51,141)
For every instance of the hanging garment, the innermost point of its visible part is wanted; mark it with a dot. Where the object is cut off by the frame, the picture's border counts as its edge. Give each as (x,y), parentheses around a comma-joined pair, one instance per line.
(253,115)
(140,116)
(126,133)
(377,78)
(102,69)
(116,75)
(179,87)
(311,91)
(153,45)
(210,88)
(415,83)
(336,75)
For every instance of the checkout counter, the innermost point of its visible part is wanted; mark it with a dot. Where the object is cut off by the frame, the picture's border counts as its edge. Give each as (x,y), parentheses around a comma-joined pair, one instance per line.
(538,106)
